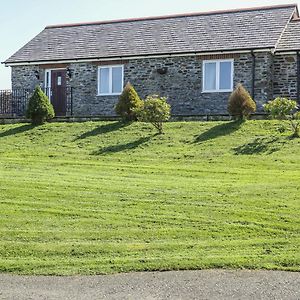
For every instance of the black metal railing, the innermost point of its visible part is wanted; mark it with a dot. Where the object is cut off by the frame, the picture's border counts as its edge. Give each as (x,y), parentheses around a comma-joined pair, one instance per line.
(13,103)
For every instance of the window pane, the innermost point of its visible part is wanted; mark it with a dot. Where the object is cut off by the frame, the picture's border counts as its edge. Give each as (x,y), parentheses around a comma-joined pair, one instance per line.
(210,76)
(48,88)
(104,80)
(47,79)
(117,84)
(225,75)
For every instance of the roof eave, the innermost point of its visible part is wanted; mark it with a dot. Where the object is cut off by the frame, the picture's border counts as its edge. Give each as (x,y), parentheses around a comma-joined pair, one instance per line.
(288,50)
(126,57)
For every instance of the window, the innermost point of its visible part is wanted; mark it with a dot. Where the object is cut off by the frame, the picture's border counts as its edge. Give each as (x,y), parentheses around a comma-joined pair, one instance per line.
(218,75)
(110,80)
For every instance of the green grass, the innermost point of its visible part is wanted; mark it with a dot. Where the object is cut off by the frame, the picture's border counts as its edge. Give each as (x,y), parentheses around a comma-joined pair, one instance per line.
(104,197)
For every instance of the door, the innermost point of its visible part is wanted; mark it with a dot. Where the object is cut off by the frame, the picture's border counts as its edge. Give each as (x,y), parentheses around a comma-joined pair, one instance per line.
(58,92)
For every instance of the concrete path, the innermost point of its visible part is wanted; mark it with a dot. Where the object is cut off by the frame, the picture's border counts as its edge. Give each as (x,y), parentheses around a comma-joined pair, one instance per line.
(210,284)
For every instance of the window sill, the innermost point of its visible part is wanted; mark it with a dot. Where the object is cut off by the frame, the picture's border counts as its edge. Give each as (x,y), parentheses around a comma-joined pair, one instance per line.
(217,91)
(101,95)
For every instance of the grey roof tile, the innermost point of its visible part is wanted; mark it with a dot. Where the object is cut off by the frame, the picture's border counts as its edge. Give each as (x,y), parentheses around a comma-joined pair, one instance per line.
(236,30)
(290,39)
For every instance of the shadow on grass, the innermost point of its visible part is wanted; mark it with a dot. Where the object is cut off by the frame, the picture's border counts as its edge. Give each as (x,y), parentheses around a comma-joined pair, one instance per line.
(104,129)
(258,146)
(219,130)
(17,130)
(122,147)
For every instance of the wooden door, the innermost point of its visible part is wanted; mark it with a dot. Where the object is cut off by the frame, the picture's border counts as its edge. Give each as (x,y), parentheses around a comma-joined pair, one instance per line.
(58,92)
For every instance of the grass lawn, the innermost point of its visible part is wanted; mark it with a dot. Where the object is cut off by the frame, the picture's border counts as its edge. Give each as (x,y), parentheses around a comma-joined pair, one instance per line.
(104,197)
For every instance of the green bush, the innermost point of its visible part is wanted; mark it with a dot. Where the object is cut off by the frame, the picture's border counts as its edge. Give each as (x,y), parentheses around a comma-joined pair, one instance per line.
(285,109)
(39,107)
(240,104)
(129,100)
(280,108)
(155,110)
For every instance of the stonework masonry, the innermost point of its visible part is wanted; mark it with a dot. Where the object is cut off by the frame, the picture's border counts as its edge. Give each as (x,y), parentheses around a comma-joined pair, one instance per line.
(182,84)
(264,79)
(285,76)
(23,77)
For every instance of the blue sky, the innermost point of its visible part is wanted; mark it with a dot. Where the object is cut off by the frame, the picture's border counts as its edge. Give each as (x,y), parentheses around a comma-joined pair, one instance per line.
(22,20)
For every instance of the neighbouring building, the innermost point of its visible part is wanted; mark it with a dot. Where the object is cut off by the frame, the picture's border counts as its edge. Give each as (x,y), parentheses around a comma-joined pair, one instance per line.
(193,59)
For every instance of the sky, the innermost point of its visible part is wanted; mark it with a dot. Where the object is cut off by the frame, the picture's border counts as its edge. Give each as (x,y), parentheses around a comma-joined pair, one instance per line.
(21,20)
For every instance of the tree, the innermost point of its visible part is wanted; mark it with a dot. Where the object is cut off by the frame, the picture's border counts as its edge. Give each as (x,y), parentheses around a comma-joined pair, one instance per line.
(39,107)
(155,110)
(285,109)
(240,104)
(129,101)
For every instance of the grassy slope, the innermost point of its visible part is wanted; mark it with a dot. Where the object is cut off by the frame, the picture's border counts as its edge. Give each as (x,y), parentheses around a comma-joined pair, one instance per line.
(91,198)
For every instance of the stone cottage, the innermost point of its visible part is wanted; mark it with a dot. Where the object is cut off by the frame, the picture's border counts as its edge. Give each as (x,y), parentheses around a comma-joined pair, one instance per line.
(193,59)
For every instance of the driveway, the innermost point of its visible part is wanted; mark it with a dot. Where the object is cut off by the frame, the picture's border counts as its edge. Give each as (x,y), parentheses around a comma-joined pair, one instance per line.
(208,284)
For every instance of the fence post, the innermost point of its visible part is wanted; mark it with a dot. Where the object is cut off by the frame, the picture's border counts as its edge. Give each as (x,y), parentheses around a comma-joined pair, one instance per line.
(12,103)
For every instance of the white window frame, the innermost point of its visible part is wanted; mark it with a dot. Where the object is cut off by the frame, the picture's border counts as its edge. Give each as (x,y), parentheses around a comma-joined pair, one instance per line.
(218,63)
(110,67)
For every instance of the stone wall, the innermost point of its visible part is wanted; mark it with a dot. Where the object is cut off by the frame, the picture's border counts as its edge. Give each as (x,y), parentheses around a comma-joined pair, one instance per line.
(264,79)
(285,76)
(23,77)
(182,84)
(84,83)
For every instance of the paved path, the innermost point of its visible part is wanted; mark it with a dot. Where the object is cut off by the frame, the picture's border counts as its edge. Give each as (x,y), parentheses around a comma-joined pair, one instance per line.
(210,284)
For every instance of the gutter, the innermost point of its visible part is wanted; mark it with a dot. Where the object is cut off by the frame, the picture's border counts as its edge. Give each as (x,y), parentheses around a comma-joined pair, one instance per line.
(298,77)
(253,74)
(287,51)
(162,55)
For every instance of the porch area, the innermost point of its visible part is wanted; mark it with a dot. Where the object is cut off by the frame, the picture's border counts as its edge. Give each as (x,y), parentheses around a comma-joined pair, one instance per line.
(14,102)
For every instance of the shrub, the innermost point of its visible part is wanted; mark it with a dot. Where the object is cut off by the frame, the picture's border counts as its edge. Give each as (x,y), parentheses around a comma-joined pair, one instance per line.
(280,108)
(39,107)
(240,104)
(129,100)
(155,110)
(285,109)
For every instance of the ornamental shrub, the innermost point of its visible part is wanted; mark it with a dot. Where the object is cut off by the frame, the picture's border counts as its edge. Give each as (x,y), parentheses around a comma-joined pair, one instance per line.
(155,110)
(241,105)
(285,109)
(280,108)
(129,100)
(39,107)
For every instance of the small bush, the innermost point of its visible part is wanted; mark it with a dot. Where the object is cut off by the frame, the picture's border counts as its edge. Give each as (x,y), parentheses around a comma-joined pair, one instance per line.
(39,107)
(240,104)
(280,108)
(129,100)
(285,109)
(155,110)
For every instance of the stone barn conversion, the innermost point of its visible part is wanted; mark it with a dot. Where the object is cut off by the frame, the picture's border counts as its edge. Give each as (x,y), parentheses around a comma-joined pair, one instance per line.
(193,59)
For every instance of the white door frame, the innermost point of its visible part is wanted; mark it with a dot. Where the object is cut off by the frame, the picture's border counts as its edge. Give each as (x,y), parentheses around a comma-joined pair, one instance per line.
(48,84)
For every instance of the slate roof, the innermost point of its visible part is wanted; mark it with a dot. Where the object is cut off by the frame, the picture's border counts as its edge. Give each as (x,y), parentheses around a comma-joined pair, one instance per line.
(290,39)
(201,32)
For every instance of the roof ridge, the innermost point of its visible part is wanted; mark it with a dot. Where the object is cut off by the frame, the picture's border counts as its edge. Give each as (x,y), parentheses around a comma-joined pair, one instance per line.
(216,12)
